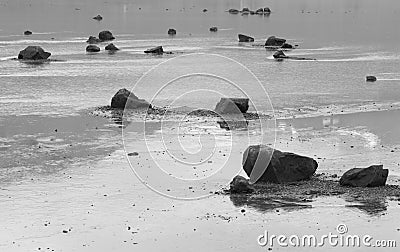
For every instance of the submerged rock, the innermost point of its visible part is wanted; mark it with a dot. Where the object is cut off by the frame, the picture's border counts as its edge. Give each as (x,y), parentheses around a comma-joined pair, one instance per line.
(171,31)
(92,48)
(111,47)
(232,106)
(124,99)
(93,40)
(265,164)
(106,36)
(213,29)
(274,41)
(33,53)
(27,33)
(245,38)
(98,17)
(371,176)
(240,185)
(155,50)
(371,78)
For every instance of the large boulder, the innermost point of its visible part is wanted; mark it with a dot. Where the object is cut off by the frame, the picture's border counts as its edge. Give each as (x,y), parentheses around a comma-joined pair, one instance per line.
(232,106)
(370,78)
(106,36)
(240,185)
(155,50)
(92,48)
(274,41)
(171,31)
(111,47)
(126,99)
(245,38)
(33,53)
(93,40)
(371,176)
(265,164)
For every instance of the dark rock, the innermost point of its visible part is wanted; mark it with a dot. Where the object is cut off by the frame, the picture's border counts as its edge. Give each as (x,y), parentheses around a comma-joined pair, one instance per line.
(280,55)
(232,106)
(125,99)
(106,36)
(155,50)
(233,11)
(213,29)
(98,18)
(287,46)
(171,31)
(371,78)
(33,53)
(92,48)
(240,185)
(245,38)
(245,10)
(274,41)
(93,40)
(265,164)
(267,10)
(371,176)
(133,154)
(233,124)
(260,11)
(205,10)
(111,47)
(252,12)
(27,33)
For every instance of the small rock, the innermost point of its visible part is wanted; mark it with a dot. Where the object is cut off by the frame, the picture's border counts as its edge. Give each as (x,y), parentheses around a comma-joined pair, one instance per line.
(92,48)
(205,10)
(111,47)
(27,33)
(106,36)
(133,154)
(33,53)
(171,32)
(371,78)
(213,29)
(93,40)
(240,185)
(245,38)
(371,176)
(233,11)
(155,50)
(98,18)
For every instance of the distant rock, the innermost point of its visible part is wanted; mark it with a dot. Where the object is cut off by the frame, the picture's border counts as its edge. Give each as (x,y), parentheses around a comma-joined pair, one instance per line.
(106,36)
(274,41)
(233,11)
(240,185)
(111,47)
(245,38)
(92,48)
(287,46)
(98,18)
(93,40)
(27,33)
(232,106)
(126,99)
(265,164)
(240,124)
(267,10)
(205,10)
(371,176)
(245,10)
(155,50)
(260,11)
(213,29)
(33,53)
(371,78)
(171,32)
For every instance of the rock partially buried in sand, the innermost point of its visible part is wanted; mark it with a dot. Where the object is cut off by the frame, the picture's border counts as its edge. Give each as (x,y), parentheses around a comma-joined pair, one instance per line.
(124,99)
(240,185)
(171,32)
(106,36)
(265,164)
(245,38)
(33,53)
(27,33)
(233,124)
(155,50)
(111,47)
(233,11)
(232,106)
(280,55)
(92,48)
(98,17)
(370,78)
(93,40)
(274,41)
(213,29)
(371,176)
